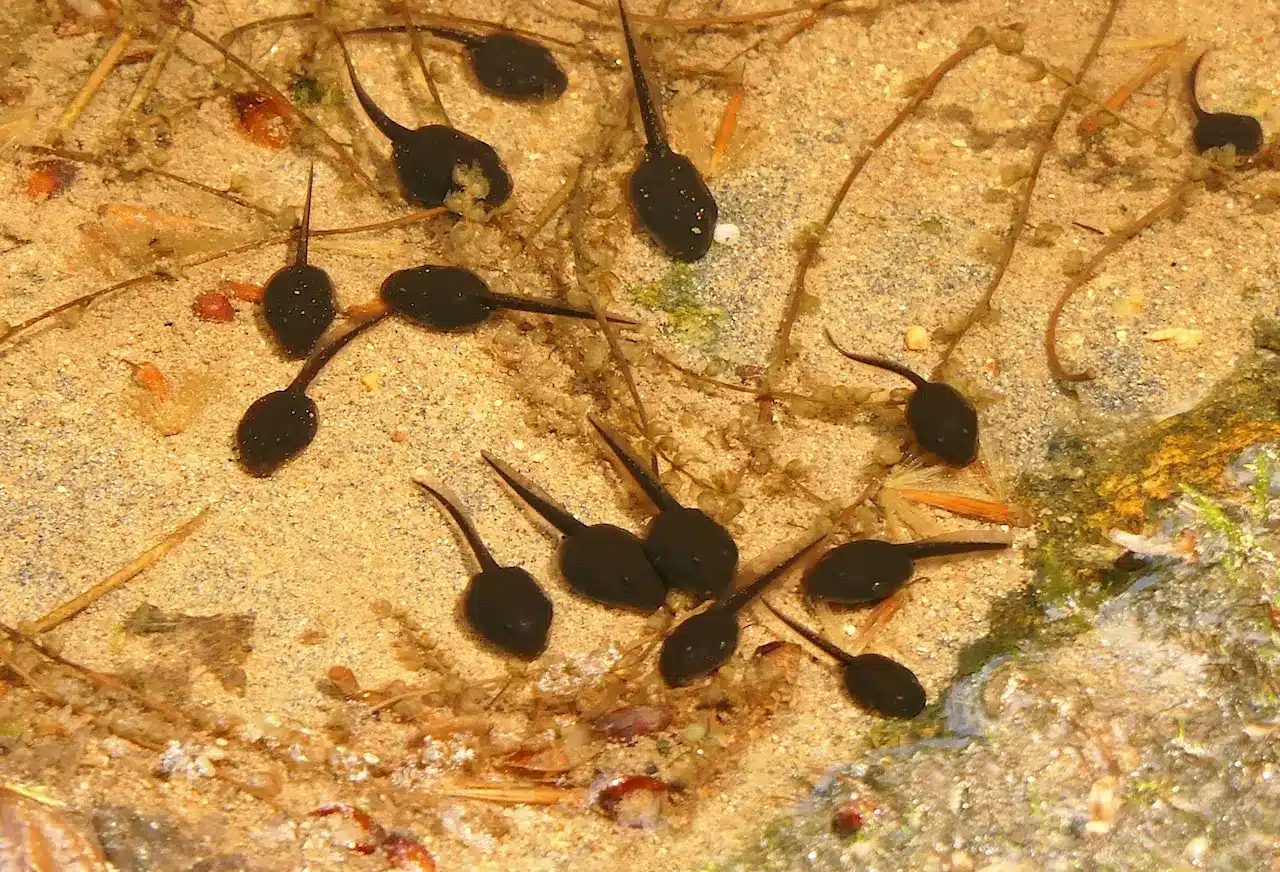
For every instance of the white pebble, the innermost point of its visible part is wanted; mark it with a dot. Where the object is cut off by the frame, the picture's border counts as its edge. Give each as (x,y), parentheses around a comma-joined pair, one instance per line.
(727,234)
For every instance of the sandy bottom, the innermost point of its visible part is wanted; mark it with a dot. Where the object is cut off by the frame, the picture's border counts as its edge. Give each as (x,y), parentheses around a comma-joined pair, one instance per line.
(87,481)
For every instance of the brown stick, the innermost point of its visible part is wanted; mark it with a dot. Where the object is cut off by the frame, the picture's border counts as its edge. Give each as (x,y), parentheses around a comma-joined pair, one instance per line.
(809,255)
(979,311)
(1080,279)
(99,75)
(118,578)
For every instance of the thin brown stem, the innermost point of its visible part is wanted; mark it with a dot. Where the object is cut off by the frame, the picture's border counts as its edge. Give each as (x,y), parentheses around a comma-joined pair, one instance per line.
(795,296)
(979,311)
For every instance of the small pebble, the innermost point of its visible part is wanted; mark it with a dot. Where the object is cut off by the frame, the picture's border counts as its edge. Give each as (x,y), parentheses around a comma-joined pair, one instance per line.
(1182,337)
(727,234)
(917,338)
(371,381)
(213,307)
(399,436)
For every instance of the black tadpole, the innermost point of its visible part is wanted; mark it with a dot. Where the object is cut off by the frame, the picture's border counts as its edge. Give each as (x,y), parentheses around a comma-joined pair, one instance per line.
(874,681)
(455,298)
(297,301)
(504,604)
(601,562)
(869,570)
(689,550)
(942,420)
(426,158)
(278,426)
(670,198)
(505,63)
(1216,129)
(702,643)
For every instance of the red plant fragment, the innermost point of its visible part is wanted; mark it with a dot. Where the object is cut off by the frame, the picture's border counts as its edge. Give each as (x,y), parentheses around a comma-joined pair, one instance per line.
(264,119)
(215,307)
(247,292)
(632,721)
(405,852)
(618,790)
(49,178)
(377,834)
(849,818)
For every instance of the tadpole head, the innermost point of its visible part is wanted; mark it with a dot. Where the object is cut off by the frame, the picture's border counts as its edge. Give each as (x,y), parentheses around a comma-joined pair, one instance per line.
(690,551)
(508,608)
(298,306)
(510,66)
(440,297)
(1218,129)
(698,647)
(884,686)
(608,564)
(673,203)
(276,428)
(862,571)
(425,160)
(945,423)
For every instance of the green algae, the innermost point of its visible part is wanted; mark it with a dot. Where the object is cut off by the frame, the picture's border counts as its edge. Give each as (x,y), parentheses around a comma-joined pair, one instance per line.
(676,294)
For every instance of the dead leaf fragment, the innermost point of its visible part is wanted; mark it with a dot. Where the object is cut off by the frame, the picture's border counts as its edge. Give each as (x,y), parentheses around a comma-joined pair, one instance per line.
(1182,337)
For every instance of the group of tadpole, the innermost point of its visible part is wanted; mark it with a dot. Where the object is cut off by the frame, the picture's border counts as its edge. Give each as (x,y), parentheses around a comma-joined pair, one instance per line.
(683,548)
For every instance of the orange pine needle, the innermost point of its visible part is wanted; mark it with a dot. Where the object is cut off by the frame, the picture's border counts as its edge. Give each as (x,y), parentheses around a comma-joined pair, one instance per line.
(728,124)
(148,376)
(366,309)
(1117,100)
(246,291)
(969,507)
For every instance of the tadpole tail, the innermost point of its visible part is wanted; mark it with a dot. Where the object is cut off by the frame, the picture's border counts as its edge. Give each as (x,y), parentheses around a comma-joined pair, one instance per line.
(648,481)
(879,362)
(470,40)
(743,595)
(554,513)
(927,548)
(304,231)
(317,361)
(390,129)
(464,524)
(812,637)
(1191,86)
(648,112)
(541,307)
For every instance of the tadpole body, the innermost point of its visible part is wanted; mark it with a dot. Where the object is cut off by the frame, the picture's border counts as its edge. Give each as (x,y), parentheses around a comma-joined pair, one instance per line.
(601,562)
(943,421)
(510,66)
(278,426)
(689,550)
(455,298)
(1216,129)
(869,570)
(670,198)
(702,643)
(297,301)
(873,681)
(425,158)
(503,604)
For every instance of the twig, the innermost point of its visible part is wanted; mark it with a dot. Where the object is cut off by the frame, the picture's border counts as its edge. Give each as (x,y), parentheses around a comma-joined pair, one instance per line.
(99,75)
(808,256)
(154,70)
(728,123)
(979,311)
(118,578)
(1116,101)
(1080,279)
(415,40)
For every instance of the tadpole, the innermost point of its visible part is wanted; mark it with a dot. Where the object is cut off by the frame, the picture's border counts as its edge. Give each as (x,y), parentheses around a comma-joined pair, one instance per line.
(689,550)
(278,426)
(505,63)
(297,301)
(670,198)
(504,604)
(873,681)
(869,570)
(943,421)
(1216,129)
(601,562)
(702,643)
(426,158)
(455,298)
